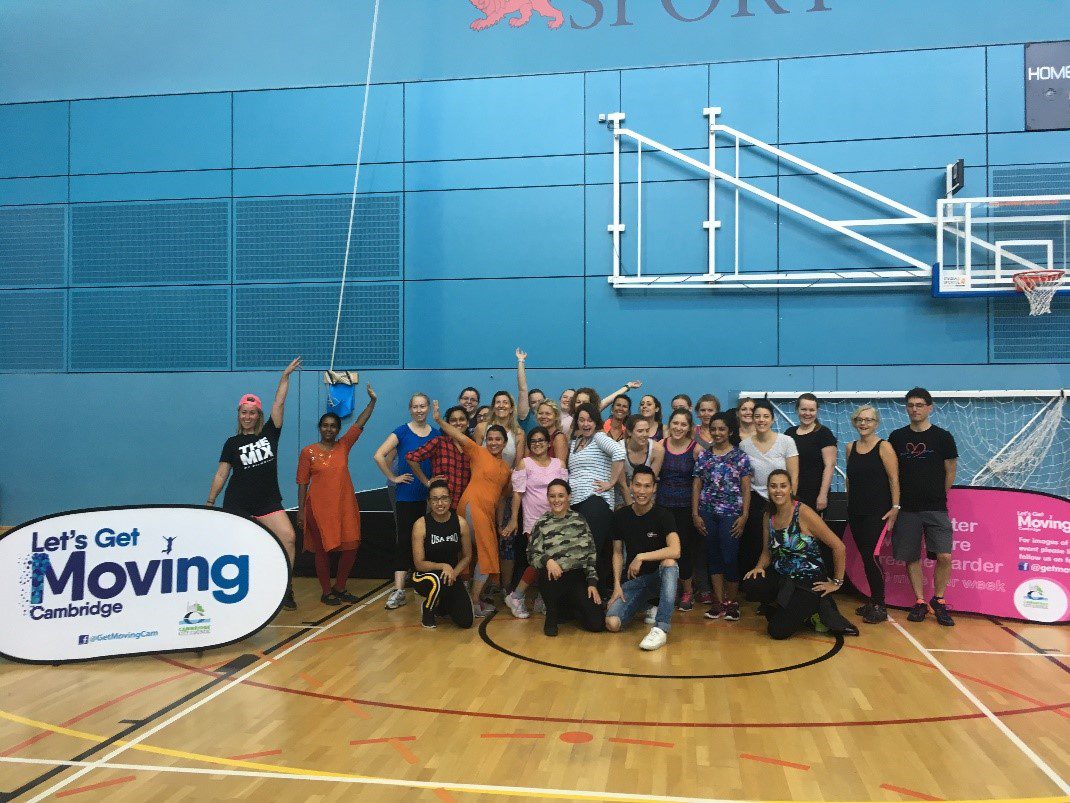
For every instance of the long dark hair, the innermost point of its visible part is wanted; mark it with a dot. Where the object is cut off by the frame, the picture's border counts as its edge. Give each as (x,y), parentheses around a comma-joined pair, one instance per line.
(770,506)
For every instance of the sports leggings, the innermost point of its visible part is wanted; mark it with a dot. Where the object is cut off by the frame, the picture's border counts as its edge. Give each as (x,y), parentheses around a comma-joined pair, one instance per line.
(866,530)
(444,599)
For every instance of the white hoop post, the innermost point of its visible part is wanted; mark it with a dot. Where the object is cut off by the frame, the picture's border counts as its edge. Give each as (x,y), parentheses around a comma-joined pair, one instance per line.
(712,224)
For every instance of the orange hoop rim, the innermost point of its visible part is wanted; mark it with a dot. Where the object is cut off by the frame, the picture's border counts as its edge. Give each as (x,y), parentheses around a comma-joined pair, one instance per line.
(1029,279)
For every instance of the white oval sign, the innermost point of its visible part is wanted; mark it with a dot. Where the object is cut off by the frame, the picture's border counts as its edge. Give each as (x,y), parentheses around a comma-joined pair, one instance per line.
(135,580)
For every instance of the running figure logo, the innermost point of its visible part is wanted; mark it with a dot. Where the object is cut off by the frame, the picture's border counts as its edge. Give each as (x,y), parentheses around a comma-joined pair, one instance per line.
(170,539)
(496,10)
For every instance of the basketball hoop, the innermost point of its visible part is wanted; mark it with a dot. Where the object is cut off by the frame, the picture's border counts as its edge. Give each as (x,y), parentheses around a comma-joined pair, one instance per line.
(1039,287)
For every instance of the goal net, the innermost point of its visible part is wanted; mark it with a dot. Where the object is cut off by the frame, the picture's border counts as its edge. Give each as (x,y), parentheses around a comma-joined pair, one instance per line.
(1008,439)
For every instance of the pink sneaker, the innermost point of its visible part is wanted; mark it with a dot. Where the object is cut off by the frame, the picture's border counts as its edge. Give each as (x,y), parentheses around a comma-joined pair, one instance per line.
(687,601)
(705,598)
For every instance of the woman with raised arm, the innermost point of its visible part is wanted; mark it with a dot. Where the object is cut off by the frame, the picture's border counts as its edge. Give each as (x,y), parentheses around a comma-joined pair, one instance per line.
(791,577)
(614,427)
(410,496)
(872,501)
(481,499)
(527,399)
(650,409)
(817,454)
(674,493)
(767,450)
(503,413)
(448,460)
(328,505)
(547,415)
(706,407)
(252,455)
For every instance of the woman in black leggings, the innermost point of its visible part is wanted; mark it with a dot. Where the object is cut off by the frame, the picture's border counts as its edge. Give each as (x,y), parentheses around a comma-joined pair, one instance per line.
(872,501)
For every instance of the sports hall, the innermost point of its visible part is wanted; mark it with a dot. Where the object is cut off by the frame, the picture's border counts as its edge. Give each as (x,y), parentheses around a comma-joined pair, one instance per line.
(223,223)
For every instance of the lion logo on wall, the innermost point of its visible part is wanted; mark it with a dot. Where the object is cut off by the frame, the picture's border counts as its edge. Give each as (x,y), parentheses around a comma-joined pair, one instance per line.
(497,10)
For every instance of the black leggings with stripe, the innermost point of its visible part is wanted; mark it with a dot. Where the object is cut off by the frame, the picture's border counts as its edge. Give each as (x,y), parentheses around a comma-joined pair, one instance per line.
(444,599)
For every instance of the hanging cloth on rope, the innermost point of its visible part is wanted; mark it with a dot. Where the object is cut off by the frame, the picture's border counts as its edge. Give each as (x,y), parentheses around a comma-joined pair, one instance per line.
(341,384)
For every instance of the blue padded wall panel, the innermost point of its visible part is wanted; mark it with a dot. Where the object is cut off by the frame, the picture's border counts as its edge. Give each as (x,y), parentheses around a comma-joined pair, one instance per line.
(747,95)
(1006,91)
(479,118)
(535,231)
(151,186)
(317,180)
(33,190)
(883,95)
(666,104)
(150,329)
(176,132)
(162,242)
(316,126)
(304,239)
(1033,147)
(1018,337)
(31,330)
(275,323)
(471,174)
(890,154)
(478,323)
(601,95)
(34,138)
(32,245)
(682,328)
(880,327)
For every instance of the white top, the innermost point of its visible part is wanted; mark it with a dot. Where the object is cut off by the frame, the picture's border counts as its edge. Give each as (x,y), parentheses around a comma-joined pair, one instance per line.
(764,463)
(594,463)
(509,452)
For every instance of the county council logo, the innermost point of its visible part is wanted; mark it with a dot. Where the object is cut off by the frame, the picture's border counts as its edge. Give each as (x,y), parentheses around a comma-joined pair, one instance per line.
(1041,600)
(195,622)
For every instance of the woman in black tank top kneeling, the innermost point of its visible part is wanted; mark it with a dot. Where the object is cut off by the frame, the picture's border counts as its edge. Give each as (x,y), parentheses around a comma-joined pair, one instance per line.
(441,552)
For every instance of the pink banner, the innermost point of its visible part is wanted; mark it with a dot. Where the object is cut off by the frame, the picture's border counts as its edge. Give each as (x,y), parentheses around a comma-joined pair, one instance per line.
(1011,556)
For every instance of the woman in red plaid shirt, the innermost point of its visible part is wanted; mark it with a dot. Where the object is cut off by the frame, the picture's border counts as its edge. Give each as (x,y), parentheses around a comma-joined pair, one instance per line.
(448,462)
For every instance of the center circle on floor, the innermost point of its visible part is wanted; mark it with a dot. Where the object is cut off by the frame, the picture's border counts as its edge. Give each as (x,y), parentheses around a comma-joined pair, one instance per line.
(836,646)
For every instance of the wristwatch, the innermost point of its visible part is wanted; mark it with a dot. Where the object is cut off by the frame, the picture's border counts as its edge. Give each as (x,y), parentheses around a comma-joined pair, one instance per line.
(835,582)
(897,507)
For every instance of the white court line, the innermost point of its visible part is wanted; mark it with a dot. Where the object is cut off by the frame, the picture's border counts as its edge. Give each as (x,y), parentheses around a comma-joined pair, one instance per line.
(1023,654)
(1064,787)
(223,689)
(516,791)
(298,627)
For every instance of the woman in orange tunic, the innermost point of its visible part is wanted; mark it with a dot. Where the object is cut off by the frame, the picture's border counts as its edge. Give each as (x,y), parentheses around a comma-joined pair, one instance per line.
(479,503)
(329,507)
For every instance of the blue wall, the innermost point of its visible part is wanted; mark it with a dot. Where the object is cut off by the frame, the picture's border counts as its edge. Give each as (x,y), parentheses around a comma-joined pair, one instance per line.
(172,223)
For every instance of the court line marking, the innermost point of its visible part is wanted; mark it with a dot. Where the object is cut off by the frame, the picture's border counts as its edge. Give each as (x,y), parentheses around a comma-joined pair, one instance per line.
(136,741)
(296,627)
(95,786)
(901,790)
(997,652)
(1042,765)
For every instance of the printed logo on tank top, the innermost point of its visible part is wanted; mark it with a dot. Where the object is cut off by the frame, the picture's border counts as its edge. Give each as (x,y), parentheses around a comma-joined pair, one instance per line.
(253,454)
(452,538)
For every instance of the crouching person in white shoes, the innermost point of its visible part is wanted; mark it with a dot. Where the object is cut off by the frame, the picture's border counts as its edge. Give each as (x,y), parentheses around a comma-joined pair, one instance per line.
(647,534)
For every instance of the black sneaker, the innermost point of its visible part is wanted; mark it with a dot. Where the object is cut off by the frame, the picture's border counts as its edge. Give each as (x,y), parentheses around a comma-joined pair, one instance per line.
(288,602)
(918,612)
(862,610)
(345,596)
(731,611)
(875,615)
(427,618)
(331,599)
(941,613)
(549,628)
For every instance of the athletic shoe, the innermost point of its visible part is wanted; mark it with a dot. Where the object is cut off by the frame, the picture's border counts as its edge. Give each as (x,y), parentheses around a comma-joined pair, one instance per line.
(654,640)
(918,612)
(427,618)
(288,602)
(516,606)
(875,615)
(540,606)
(817,625)
(716,611)
(331,599)
(941,613)
(396,599)
(345,596)
(687,601)
(651,615)
(482,609)
(862,610)
(705,598)
(549,628)
(731,611)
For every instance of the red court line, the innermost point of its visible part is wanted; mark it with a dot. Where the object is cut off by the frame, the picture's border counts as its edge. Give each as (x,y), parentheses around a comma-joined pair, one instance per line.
(384,740)
(777,761)
(93,786)
(356,709)
(645,742)
(445,796)
(261,754)
(311,681)
(908,792)
(406,753)
(97,709)
(512,735)
(1057,707)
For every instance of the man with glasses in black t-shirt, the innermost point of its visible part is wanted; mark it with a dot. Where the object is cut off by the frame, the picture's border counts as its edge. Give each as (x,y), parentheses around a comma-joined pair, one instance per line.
(928,458)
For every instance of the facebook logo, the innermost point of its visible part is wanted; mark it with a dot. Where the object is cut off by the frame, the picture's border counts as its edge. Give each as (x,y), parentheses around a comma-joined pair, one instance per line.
(1023,565)
(83,639)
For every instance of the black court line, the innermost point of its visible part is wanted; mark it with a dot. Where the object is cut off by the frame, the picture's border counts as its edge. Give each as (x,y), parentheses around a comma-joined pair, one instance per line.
(1029,644)
(836,647)
(236,665)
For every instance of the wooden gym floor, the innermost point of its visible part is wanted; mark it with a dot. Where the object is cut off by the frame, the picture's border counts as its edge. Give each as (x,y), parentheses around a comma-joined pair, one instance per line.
(360,703)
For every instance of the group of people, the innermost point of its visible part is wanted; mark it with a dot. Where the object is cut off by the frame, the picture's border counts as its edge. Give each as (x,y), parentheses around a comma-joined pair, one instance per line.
(598,520)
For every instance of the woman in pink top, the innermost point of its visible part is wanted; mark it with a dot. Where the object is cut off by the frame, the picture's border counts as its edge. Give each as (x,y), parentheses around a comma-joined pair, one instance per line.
(530,481)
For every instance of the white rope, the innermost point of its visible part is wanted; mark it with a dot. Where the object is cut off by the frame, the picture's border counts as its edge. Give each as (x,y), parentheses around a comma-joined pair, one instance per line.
(356,178)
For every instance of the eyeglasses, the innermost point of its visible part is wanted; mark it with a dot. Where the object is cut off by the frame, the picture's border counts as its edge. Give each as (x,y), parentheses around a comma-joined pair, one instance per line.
(533,441)
(917,405)
(439,499)
(865,420)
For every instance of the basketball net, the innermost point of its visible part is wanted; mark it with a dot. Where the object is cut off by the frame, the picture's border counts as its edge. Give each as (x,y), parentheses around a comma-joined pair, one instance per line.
(1039,287)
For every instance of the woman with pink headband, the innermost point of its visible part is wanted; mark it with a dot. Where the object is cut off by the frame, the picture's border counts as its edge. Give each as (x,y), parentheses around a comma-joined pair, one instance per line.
(252,455)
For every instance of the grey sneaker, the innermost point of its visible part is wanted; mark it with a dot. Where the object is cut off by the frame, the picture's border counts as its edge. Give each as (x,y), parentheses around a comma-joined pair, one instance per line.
(516,606)
(396,599)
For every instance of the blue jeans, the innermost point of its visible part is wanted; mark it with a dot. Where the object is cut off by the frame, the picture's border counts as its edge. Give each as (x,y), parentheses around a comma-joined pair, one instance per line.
(722,548)
(639,590)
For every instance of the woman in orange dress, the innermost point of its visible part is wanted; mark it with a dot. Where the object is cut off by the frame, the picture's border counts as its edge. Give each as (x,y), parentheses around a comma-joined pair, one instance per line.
(328,505)
(491,475)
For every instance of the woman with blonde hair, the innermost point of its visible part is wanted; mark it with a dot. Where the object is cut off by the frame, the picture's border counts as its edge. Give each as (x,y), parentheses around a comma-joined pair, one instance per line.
(503,413)
(548,415)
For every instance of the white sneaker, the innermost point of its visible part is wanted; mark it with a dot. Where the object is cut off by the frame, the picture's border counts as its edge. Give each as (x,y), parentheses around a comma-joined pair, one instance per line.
(516,606)
(654,640)
(651,615)
(396,599)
